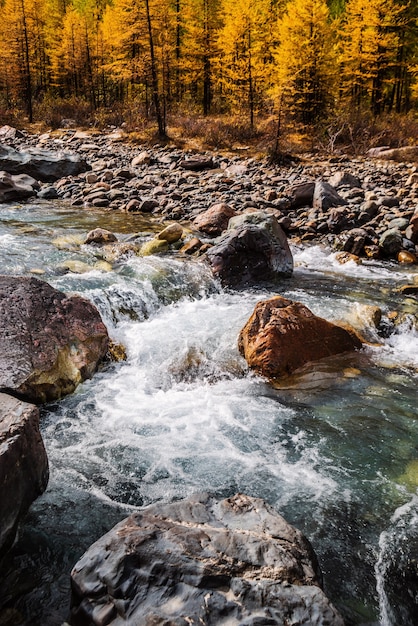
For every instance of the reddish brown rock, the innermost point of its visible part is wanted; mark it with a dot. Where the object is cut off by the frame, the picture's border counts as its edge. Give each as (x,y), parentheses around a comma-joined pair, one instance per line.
(49,342)
(215,220)
(281,336)
(23,464)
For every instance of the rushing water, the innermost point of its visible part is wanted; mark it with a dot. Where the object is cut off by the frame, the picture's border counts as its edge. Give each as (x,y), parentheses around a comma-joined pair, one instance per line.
(335,452)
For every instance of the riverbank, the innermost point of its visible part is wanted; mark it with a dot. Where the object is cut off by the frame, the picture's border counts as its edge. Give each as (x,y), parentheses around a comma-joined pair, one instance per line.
(363,207)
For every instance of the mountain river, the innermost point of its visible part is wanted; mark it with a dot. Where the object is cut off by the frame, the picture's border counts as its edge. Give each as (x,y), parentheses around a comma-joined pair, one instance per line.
(334,451)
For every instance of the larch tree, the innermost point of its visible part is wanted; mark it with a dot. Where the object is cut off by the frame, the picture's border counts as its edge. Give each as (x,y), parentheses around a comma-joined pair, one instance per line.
(245,52)
(371,50)
(305,59)
(23,51)
(200,22)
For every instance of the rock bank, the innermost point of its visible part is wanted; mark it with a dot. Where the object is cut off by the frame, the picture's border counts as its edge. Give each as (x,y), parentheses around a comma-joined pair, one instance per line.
(346,203)
(201,561)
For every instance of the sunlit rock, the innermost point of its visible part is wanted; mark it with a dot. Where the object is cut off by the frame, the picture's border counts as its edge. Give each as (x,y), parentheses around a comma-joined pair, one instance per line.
(49,342)
(215,220)
(23,464)
(281,336)
(201,561)
(171,233)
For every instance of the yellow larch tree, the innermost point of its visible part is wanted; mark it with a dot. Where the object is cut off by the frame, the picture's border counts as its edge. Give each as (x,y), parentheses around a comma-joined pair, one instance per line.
(245,44)
(305,60)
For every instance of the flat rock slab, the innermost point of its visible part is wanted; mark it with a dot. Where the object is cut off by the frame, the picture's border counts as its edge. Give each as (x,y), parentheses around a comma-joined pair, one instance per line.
(201,561)
(43,165)
(49,342)
(23,464)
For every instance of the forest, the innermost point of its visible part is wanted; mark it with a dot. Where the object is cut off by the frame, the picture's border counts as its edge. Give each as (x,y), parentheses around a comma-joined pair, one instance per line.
(315,66)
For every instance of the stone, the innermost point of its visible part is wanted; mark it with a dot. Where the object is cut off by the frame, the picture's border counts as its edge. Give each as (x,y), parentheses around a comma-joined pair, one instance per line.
(100,236)
(154,246)
(344,179)
(17,187)
(48,193)
(192,246)
(326,197)
(282,336)
(197,164)
(49,342)
(43,165)
(143,158)
(300,195)
(201,561)
(401,155)
(251,253)
(9,132)
(346,257)
(147,206)
(23,464)
(171,233)
(390,242)
(215,220)
(407,258)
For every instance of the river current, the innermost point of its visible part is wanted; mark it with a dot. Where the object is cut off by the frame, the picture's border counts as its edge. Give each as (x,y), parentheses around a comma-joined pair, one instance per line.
(334,451)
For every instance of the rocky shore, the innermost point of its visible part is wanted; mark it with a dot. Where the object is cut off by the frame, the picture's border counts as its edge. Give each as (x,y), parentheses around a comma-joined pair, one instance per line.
(363,206)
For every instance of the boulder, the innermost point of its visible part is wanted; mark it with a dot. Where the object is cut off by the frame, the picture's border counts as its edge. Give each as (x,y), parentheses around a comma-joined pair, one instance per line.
(404,154)
(325,197)
(215,220)
(390,242)
(43,165)
(300,195)
(18,187)
(9,132)
(49,342)
(254,249)
(201,561)
(23,464)
(344,179)
(100,236)
(282,336)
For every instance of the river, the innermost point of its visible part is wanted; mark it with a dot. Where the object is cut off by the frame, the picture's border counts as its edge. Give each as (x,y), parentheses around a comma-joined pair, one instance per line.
(335,452)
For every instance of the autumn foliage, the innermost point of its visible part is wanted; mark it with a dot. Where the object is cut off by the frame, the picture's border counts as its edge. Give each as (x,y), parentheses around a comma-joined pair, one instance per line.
(305,60)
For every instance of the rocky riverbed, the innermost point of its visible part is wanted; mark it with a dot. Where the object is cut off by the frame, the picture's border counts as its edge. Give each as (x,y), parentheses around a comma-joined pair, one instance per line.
(363,206)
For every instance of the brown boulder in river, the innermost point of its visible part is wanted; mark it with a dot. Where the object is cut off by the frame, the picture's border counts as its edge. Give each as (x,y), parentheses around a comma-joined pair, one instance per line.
(281,336)
(49,342)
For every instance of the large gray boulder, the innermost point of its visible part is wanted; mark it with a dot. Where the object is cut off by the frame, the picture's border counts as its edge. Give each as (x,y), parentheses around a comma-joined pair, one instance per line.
(43,165)
(253,250)
(19,187)
(201,561)
(49,342)
(23,464)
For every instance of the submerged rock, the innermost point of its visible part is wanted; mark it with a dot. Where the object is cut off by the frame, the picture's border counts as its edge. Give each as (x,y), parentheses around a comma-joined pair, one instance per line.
(281,336)
(49,342)
(23,464)
(201,561)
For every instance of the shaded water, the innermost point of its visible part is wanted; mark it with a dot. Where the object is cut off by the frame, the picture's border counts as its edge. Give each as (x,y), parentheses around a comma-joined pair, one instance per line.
(335,452)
